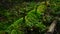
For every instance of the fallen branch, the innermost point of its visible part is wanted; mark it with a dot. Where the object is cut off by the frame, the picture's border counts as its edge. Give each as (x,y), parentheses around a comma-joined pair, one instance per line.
(52,27)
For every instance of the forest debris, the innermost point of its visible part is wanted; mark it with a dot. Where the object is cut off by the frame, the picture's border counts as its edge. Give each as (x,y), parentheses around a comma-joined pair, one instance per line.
(51,28)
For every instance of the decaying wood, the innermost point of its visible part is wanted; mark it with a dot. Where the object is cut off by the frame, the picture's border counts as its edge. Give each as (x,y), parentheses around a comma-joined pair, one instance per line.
(52,27)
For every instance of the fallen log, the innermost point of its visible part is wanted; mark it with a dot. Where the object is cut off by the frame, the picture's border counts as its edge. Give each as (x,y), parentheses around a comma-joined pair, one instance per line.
(52,27)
